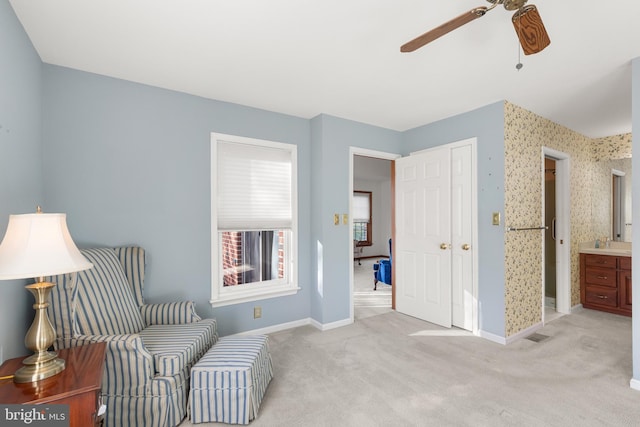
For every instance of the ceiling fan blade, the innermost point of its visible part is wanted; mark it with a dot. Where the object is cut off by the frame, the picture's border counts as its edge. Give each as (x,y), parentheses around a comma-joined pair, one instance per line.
(443,29)
(530,29)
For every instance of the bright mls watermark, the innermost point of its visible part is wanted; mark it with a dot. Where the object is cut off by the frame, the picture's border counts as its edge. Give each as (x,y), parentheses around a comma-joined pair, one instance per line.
(34,415)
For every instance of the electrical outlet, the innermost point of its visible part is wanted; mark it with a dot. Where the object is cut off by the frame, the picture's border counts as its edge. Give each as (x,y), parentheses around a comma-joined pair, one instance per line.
(257,312)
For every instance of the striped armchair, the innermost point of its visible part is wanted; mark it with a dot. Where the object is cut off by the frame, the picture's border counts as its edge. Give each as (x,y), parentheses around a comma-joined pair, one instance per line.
(150,347)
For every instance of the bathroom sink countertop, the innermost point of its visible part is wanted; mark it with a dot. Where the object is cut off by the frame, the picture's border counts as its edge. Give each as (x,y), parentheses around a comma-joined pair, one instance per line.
(615,248)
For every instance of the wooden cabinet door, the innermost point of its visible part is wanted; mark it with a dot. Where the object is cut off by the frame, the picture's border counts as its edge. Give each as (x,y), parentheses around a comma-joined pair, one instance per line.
(624,288)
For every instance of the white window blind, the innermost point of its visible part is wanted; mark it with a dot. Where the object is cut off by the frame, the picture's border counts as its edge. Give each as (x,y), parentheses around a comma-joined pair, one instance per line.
(254,187)
(361,208)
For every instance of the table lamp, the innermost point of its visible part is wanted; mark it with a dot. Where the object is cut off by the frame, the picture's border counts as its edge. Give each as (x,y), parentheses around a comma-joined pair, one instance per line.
(35,246)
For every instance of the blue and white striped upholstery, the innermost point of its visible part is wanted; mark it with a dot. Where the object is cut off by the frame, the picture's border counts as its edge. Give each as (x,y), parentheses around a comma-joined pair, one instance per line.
(229,382)
(61,310)
(164,404)
(105,303)
(150,347)
(134,261)
(175,347)
(170,313)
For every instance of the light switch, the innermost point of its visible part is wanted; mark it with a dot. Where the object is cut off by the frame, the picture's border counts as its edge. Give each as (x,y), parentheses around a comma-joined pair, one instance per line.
(496,218)
(336,219)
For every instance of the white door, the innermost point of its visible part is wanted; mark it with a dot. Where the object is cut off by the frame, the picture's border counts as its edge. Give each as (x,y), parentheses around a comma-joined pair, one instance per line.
(434,235)
(423,229)
(461,237)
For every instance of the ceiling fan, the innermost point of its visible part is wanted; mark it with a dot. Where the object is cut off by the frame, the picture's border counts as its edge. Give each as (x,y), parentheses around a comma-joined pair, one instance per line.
(526,21)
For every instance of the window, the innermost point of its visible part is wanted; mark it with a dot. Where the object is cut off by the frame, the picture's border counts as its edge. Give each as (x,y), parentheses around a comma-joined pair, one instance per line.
(253,219)
(362,217)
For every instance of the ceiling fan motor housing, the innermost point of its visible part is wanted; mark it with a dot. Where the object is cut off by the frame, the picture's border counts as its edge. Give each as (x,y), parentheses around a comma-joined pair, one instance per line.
(510,4)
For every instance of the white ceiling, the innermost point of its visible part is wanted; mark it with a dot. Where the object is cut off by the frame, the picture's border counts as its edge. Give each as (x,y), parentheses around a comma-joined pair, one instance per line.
(342,57)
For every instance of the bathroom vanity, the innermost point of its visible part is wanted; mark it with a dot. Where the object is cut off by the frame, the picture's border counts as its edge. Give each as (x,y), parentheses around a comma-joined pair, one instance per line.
(605,278)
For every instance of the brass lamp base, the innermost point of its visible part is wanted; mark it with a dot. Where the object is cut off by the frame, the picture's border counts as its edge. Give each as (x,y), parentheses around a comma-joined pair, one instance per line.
(36,369)
(40,336)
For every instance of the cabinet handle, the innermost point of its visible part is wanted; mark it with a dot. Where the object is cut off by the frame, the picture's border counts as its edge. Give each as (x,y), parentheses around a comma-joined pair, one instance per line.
(603,296)
(602,277)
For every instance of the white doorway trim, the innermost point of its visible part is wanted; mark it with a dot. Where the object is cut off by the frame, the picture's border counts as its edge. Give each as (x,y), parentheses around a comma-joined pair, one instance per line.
(357,151)
(563,230)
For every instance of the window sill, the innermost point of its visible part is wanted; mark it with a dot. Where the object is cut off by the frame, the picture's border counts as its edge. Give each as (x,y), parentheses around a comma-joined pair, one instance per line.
(254,295)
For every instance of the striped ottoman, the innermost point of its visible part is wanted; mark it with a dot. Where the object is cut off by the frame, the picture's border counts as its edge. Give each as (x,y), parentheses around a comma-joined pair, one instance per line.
(229,381)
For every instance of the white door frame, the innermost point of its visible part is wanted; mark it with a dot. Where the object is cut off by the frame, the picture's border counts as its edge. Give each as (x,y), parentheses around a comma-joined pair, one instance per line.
(357,151)
(563,230)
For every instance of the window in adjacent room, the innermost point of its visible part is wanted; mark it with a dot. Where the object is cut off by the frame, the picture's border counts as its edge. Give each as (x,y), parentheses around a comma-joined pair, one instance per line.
(362,217)
(253,219)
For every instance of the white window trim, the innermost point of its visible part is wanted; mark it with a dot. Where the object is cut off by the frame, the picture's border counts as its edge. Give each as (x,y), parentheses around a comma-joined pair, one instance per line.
(221,296)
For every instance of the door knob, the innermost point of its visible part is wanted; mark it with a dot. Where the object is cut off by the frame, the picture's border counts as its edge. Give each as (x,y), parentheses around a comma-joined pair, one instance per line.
(444,246)
(466,247)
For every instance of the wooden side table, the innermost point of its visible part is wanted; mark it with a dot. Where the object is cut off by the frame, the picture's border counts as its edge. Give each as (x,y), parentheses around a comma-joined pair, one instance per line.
(77,386)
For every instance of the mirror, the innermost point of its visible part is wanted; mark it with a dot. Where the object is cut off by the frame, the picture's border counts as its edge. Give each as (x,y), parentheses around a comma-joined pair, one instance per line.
(621,201)
(612,188)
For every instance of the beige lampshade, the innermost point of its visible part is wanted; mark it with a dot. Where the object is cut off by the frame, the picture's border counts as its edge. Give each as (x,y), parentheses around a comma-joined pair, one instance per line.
(37,245)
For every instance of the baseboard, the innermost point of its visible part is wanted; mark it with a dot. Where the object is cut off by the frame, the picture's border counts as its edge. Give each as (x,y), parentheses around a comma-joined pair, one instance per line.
(524,333)
(492,337)
(635,384)
(278,327)
(333,325)
(296,324)
(515,337)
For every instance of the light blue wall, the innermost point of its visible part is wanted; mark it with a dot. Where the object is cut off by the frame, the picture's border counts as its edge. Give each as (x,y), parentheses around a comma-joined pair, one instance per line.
(331,139)
(487,125)
(635,213)
(130,164)
(20,162)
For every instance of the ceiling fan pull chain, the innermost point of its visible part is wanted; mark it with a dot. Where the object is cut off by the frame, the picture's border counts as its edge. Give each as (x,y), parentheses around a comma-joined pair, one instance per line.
(519,64)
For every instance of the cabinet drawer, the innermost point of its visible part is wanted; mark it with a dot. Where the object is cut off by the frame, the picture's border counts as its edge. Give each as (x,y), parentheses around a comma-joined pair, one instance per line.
(601,260)
(625,263)
(602,296)
(601,276)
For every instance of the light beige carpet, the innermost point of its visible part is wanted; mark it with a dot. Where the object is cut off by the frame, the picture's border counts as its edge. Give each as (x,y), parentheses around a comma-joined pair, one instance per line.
(394,370)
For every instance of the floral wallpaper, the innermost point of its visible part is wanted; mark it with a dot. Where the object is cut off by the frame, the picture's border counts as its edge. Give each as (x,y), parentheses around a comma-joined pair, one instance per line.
(525,135)
(612,147)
